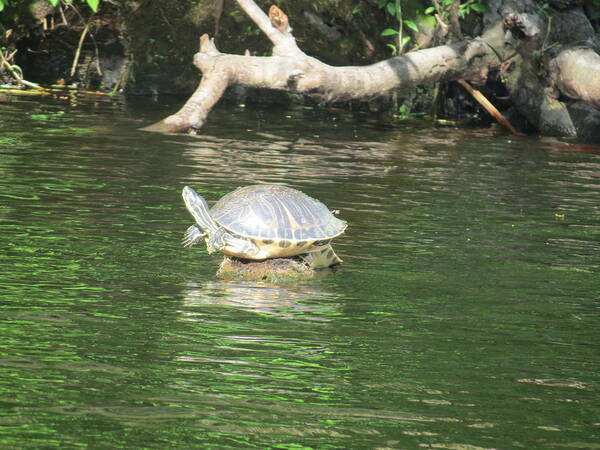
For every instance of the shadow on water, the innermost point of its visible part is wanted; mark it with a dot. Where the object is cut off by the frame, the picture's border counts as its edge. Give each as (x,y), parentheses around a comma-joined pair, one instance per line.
(464,315)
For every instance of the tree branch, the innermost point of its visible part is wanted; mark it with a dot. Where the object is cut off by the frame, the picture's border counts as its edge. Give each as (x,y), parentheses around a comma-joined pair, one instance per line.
(194,112)
(291,70)
(275,26)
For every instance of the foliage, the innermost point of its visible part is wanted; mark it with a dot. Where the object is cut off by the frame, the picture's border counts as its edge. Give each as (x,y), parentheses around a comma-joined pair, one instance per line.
(594,10)
(404,112)
(394,8)
(441,10)
(464,9)
(93,4)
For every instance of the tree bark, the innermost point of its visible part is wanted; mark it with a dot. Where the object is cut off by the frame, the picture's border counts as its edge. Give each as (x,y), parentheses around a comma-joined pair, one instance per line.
(561,47)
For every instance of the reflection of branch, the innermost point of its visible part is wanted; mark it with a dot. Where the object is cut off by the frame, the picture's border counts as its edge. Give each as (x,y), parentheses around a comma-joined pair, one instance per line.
(15,73)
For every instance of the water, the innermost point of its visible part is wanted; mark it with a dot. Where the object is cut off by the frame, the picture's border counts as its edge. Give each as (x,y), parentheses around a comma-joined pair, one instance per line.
(465,315)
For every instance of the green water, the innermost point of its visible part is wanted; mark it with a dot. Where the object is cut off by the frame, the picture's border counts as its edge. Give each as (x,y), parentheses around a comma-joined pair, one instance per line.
(465,315)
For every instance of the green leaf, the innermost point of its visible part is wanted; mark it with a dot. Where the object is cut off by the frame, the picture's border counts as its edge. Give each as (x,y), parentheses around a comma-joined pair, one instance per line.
(479,7)
(93,4)
(393,47)
(410,24)
(54,2)
(1,5)
(382,3)
(405,39)
(391,8)
(430,10)
(389,32)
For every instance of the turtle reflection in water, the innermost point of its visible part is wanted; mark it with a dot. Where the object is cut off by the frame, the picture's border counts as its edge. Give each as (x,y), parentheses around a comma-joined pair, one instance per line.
(265,221)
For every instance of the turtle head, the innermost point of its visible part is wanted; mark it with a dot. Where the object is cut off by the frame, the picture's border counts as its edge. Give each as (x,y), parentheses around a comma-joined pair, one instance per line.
(198,208)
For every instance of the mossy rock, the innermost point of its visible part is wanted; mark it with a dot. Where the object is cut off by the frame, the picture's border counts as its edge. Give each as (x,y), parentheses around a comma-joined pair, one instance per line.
(273,270)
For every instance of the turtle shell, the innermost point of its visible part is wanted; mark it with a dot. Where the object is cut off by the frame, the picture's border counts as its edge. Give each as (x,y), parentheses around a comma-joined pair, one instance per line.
(270,212)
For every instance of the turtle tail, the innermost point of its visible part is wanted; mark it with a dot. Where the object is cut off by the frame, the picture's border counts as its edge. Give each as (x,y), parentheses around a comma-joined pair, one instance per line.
(198,208)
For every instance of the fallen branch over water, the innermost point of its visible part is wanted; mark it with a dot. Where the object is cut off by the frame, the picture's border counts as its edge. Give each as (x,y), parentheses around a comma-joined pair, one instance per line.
(512,42)
(291,70)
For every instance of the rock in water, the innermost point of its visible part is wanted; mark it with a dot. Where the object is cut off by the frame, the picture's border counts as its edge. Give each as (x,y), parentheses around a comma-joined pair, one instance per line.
(273,270)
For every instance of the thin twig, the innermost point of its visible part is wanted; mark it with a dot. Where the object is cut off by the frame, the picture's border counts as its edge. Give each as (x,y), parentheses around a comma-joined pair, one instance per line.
(122,78)
(218,12)
(547,34)
(477,95)
(15,74)
(86,30)
(12,55)
(78,52)
(97,52)
(62,15)
(453,18)
(399,19)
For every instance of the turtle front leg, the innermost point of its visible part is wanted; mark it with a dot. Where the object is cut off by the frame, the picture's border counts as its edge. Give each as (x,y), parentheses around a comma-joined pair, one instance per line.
(244,248)
(224,241)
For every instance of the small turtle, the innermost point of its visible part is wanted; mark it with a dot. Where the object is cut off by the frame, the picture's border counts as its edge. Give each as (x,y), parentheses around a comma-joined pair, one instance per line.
(265,221)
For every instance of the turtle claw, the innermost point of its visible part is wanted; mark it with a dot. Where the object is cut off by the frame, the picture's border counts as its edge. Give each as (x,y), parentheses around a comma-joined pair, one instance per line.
(192,236)
(321,257)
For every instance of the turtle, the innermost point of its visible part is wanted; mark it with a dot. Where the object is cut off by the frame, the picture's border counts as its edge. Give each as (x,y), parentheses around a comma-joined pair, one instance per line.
(264,221)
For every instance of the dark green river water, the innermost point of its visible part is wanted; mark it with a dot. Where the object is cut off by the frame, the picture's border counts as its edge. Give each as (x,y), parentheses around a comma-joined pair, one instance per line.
(466,314)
